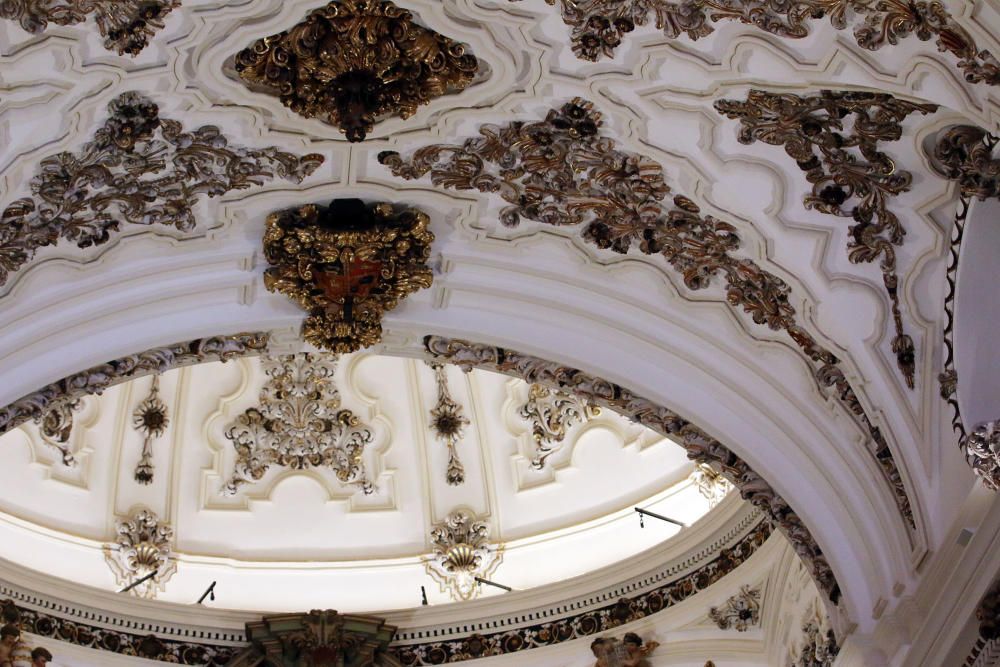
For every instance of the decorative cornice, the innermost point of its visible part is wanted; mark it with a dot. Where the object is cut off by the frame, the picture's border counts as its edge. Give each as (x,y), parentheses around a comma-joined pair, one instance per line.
(561,171)
(739,612)
(355,62)
(589,623)
(346,265)
(462,552)
(151,419)
(551,414)
(140,169)
(126,25)
(156,360)
(448,423)
(701,447)
(143,547)
(834,138)
(598,26)
(298,424)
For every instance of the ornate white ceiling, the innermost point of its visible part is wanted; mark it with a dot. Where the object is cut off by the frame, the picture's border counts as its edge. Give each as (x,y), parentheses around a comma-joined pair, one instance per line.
(539,289)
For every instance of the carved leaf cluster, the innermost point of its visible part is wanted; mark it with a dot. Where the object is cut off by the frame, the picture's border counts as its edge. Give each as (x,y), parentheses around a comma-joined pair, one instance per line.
(143,545)
(740,612)
(561,171)
(598,26)
(126,25)
(150,418)
(700,446)
(834,138)
(819,646)
(964,153)
(355,62)
(298,424)
(462,551)
(551,414)
(56,426)
(346,265)
(140,169)
(448,423)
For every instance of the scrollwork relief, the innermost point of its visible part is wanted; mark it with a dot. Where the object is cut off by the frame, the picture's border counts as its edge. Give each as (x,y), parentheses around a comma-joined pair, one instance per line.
(563,171)
(151,419)
(355,62)
(712,486)
(462,552)
(551,414)
(56,426)
(127,26)
(448,423)
(298,423)
(964,153)
(700,446)
(598,26)
(143,546)
(140,169)
(739,612)
(834,137)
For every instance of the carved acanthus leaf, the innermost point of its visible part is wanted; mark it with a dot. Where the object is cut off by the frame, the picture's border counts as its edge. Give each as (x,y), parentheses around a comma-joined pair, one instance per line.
(56,426)
(151,419)
(700,446)
(818,646)
(964,153)
(739,612)
(551,414)
(448,423)
(298,424)
(354,62)
(126,25)
(562,171)
(598,26)
(143,546)
(347,264)
(140,169)
(834,138)
(462,552)
(711,485)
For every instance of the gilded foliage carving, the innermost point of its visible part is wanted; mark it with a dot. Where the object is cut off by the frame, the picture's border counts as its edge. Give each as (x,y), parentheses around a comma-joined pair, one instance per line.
(551,414)
(355,62)
(700,446)
(712,486)
(964,153)
(151,419)
(739,612)
(834,138)
(346,265)
(598,26)
(561,171)
(140,169)
(127,26)
(448,423)
(462,552)
(298,423)
(98,378)
(56,426)
(143,546)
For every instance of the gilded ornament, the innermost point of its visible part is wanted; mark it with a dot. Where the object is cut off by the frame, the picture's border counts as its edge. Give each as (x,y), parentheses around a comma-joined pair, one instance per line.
(151,419)
(143,546)
(712,486)
(462,552)
(964,153)
(563,171)
(598,26)
(298,424)
(353,63)
(140,169)
(126,25)
(551,414)
(448,423)
(56,426)
(347,264)
(739,612)
(834,138)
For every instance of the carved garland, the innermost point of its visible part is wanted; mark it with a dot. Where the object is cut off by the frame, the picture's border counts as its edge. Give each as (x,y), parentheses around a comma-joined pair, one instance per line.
(599,25)
(561,171)
(964,153)
(625,610)
(157,360)
(448,423)
(551,414)
(126,25)
(354,62)
(701,447)
(151,419)
(850,176)
(115,641)
(140,169)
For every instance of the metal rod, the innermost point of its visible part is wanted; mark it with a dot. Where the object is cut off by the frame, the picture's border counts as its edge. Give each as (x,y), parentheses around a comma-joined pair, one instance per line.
(209,590)
(139,581)
(659,516)
(493,583)
(423,596)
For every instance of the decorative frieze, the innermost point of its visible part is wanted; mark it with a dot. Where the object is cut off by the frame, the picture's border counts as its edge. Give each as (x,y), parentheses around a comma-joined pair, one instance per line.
(140,169)
(127,26)
(98,378)
(551,414)
(151,420)
(700,446)
(298,423)
(143,546)
(835,137)
(563,171)
(462,552)
(598,26)
(739,612)
(346,265)
(353,63)
(448,423)
(591,622)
